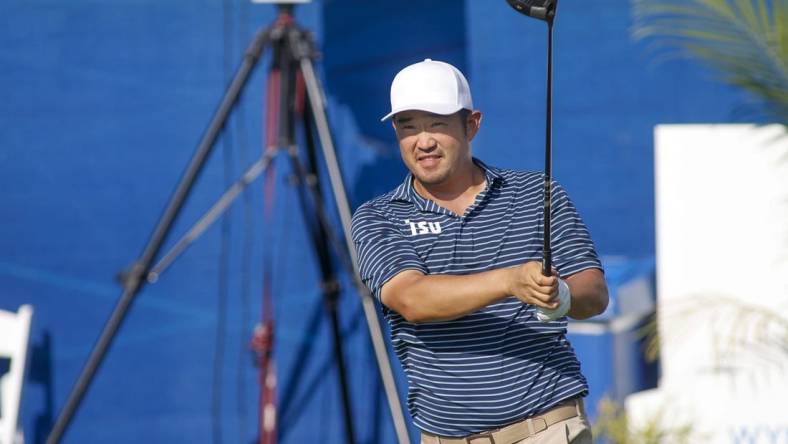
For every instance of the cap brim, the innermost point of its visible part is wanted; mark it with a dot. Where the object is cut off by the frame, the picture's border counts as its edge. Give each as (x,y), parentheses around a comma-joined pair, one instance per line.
(434,108)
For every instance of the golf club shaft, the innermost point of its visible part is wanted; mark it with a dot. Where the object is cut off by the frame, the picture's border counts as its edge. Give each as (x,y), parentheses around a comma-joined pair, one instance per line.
(547,261)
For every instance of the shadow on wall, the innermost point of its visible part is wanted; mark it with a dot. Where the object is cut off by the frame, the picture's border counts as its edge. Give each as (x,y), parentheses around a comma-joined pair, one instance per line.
(381,46)
(38,383)
(382,175)
(40,373)
(359,79)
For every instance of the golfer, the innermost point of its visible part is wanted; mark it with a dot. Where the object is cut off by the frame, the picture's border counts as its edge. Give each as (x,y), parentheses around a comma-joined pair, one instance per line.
(453,254)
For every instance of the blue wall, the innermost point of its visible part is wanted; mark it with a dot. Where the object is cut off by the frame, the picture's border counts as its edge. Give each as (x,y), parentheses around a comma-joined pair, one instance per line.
(608,96)
(103,103)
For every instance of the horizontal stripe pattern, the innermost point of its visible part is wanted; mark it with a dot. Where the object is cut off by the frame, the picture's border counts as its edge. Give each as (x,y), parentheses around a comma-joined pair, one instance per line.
(499,364)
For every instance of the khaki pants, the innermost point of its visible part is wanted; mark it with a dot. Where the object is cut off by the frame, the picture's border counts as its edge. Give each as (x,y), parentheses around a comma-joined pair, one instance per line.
(575,430)
(572,430)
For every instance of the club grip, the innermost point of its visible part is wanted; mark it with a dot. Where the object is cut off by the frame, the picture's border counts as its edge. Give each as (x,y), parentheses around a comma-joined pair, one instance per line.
(547,263)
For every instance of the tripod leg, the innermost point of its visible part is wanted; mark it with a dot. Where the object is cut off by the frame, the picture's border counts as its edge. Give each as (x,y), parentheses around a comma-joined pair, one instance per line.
(317,107)
(285,103)
(318,229)
(211,215)
(133,281)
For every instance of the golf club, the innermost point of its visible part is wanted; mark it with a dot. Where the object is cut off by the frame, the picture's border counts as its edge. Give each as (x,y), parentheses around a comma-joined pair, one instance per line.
(544,10)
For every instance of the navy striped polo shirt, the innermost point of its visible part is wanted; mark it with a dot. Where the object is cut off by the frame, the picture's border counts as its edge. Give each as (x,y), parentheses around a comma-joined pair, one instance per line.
(499,364)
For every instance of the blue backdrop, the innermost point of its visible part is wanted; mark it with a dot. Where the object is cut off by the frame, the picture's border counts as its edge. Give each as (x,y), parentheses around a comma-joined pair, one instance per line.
(103,104)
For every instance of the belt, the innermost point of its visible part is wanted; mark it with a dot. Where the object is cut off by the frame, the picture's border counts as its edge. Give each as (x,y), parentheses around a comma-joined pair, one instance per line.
(517,431)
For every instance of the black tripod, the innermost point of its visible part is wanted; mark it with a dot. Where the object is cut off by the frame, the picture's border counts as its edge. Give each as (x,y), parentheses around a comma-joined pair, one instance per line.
(300,96)
(287,87)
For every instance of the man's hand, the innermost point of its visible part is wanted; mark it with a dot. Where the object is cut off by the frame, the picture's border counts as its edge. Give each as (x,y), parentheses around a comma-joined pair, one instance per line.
(527,284)
(564,304)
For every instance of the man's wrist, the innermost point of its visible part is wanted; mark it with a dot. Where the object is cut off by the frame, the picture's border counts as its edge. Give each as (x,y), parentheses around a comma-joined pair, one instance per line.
(505,280)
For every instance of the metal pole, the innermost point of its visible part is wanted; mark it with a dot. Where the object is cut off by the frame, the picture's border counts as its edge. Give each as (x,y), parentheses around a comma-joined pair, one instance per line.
(133,280)
(314,94)
(209,217)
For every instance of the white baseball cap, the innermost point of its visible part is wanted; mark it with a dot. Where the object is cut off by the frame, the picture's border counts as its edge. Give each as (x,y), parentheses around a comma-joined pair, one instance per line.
(431,86)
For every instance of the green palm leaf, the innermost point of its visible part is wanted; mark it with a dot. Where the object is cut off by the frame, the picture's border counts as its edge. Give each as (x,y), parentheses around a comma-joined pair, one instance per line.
(745,41)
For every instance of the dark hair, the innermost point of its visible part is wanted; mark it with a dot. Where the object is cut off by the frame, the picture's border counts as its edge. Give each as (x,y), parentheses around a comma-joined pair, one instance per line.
(464,113)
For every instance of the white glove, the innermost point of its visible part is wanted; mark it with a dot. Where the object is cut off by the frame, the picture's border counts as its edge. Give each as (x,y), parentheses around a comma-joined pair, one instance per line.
(564,302)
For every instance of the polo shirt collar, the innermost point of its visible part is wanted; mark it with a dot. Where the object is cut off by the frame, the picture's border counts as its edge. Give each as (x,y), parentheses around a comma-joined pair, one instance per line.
(406,192)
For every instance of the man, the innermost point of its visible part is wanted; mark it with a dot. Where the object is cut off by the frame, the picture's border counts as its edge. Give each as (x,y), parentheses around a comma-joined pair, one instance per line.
(454,256)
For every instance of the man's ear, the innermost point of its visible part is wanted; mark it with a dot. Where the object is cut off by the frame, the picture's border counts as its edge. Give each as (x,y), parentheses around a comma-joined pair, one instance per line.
(472,123)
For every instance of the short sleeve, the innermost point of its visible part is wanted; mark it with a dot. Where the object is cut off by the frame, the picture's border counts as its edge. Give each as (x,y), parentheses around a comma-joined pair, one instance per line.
(383,251)
(573,249)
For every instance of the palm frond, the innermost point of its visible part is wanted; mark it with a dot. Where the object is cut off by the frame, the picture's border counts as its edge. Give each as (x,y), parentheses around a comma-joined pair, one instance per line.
(745,41)
(613,425)
(744,333)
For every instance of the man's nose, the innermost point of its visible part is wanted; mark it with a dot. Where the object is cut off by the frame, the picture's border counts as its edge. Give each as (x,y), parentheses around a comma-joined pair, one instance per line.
(425,141)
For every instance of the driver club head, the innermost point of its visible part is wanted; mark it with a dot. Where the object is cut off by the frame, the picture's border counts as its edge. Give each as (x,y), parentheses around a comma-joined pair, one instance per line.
(538,9)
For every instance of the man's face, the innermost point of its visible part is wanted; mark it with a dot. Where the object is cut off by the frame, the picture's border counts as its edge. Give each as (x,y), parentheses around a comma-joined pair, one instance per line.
(435,148)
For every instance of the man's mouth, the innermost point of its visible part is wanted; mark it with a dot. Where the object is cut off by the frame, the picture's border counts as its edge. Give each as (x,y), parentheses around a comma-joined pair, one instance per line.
(428,160)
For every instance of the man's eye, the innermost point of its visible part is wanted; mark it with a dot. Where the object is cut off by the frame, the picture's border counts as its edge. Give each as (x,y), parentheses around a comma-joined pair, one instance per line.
(434,124)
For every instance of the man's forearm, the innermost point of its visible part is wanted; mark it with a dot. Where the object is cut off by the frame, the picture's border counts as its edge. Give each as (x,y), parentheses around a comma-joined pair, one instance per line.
(425,298)
(589,293)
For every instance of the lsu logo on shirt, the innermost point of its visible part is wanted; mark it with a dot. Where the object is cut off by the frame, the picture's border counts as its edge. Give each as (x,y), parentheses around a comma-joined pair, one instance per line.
(423,227)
